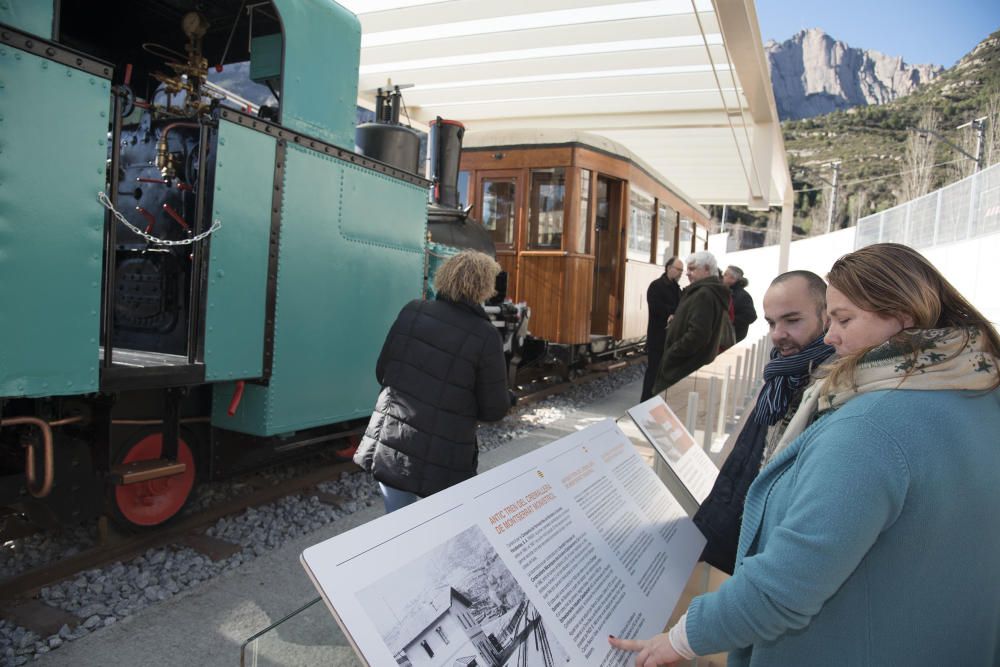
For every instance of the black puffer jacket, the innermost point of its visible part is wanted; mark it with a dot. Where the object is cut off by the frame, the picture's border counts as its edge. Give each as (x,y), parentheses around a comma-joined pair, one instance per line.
(442,369)
(746,314)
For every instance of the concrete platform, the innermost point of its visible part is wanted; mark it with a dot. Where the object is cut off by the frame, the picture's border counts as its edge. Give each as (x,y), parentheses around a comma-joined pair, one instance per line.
(208,625)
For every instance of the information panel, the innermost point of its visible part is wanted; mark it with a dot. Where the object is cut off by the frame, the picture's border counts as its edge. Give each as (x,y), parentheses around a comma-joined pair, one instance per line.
(534,562)
(676,446)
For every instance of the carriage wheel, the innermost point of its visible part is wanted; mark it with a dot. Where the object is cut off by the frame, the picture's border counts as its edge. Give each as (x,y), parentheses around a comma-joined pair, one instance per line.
(156,501)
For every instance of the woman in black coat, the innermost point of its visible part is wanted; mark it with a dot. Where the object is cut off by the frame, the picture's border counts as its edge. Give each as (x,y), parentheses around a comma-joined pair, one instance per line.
(442,370)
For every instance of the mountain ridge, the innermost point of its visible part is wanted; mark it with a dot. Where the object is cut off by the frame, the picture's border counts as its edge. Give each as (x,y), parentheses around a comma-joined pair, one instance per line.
(813,74)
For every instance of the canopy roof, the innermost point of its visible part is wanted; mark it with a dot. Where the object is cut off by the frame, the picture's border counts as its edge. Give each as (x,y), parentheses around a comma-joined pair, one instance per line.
(683,84)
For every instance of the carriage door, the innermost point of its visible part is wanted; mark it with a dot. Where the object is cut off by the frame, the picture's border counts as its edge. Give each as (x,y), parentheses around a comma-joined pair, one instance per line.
(607,237)
(498,193)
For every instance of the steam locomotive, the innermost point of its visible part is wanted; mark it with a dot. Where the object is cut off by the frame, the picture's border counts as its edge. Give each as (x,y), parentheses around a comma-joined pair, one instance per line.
(192,287)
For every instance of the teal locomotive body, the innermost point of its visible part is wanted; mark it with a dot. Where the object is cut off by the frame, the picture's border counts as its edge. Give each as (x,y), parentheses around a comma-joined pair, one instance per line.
(191,287)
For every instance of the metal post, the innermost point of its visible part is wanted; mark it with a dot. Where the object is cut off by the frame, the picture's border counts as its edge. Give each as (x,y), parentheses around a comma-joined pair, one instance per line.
(833,198)
(980,127)
(752,374)
(692,413)
(971,223)
(737,385)
(747,359)
(937,217)
(720,426)
(713,392)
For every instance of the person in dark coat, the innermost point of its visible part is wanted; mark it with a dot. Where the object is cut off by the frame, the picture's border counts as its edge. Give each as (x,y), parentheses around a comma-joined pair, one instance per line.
(442,370)
(744,312)
(795,310)
(662,297)
(695,329)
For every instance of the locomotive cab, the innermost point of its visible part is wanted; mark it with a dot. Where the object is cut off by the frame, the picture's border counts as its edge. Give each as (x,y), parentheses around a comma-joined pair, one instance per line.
(184,256)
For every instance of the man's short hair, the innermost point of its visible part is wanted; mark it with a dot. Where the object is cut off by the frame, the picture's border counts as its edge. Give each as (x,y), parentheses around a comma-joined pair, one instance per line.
(704,259)
(815,285)
(735,270)
(670,261)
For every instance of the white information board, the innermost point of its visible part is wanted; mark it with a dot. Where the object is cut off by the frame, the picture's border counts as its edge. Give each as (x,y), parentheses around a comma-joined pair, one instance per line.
(534,562)
(676,446)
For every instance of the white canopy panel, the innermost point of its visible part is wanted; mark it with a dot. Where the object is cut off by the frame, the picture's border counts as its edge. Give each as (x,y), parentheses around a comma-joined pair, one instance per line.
(683,84)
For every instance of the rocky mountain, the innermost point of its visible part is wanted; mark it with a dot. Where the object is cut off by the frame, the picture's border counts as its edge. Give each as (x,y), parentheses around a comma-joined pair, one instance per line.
(815,74)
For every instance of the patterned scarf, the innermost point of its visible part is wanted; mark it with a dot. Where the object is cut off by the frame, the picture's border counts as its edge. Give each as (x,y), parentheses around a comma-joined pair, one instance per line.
(784,376)
(952,358)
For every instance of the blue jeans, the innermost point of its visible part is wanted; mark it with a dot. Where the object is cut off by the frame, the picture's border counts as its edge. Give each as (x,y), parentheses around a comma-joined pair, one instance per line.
(395,498)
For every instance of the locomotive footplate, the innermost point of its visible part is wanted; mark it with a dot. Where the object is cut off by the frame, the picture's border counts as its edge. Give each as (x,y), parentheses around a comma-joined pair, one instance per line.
(139,369)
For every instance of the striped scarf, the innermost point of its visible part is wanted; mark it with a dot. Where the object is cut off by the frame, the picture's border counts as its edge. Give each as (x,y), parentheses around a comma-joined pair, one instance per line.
(784,376)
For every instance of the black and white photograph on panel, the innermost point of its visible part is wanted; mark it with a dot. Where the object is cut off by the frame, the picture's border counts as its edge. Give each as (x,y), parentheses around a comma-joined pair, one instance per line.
(459,605)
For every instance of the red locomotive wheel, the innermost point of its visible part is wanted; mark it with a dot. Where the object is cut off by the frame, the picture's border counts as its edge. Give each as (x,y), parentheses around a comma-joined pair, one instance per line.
(346,453)
(154,502)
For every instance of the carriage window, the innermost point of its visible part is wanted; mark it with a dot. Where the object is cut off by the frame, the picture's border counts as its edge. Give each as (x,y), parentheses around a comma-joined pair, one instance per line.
(582,241)
(686,234)
(463,188)
(640,226)
(499,205)
(545,209)
(701,234)
(665,234)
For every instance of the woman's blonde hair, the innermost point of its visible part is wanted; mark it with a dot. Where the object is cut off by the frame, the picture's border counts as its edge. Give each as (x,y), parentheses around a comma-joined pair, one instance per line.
(895,280)
(468,276)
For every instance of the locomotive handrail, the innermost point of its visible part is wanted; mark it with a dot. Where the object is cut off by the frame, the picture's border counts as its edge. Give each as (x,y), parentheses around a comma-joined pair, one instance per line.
(106,203)
(49,465)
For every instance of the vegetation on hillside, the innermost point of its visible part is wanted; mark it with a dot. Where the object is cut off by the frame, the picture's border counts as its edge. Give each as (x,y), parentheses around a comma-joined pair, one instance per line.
(875,145)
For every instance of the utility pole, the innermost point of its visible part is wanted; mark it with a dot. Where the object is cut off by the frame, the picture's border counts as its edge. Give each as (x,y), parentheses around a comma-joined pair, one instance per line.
(833,197)
(979,125)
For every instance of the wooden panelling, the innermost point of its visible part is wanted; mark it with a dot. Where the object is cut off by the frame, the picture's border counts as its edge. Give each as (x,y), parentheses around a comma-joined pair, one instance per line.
(557,288)
(516,158)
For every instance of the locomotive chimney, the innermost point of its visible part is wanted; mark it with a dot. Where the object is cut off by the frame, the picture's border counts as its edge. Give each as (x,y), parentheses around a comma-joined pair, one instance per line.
(444,150)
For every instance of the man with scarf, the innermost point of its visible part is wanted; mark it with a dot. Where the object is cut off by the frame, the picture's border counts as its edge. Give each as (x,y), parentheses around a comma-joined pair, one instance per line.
(795,310)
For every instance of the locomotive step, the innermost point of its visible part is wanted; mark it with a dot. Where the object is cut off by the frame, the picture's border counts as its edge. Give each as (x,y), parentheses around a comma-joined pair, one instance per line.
(143,471)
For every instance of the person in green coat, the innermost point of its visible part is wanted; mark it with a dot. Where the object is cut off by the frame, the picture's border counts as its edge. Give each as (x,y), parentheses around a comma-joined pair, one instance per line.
(694,331)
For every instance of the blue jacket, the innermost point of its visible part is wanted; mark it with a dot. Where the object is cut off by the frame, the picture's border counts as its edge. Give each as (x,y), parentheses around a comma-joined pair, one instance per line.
(872,540)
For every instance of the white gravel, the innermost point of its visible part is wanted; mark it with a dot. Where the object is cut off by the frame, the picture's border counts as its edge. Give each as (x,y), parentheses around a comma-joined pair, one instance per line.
(104,596)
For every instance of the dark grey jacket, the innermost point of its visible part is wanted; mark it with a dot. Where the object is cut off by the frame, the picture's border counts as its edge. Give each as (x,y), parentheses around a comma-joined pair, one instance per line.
(746,314)
(693,335)
(442,369)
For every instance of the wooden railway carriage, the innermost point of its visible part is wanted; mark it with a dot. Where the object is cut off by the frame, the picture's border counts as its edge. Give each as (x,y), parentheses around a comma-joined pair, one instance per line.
(582,227)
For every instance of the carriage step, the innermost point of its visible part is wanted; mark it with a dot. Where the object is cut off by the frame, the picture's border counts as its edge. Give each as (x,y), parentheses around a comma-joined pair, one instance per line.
(143,471)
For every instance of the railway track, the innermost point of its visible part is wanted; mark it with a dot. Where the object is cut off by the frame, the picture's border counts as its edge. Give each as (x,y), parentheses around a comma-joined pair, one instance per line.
(20,599)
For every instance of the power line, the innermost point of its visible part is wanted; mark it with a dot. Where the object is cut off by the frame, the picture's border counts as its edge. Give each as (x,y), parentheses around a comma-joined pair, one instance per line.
(881,178)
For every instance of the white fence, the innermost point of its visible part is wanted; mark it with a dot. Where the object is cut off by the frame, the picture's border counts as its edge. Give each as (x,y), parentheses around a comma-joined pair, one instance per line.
(963,210)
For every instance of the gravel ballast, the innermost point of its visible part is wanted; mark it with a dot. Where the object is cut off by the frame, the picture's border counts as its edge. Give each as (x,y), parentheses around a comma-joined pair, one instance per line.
(104,596)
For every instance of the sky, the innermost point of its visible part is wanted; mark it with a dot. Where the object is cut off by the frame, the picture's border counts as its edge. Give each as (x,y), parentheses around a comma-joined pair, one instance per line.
(935,32)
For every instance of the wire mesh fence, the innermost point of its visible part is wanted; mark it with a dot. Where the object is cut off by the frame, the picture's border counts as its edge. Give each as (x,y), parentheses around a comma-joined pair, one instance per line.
(962,210)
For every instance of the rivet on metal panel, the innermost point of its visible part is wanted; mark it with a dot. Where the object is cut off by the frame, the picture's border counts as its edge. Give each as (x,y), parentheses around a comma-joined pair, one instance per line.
(50,51)
(28,43)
